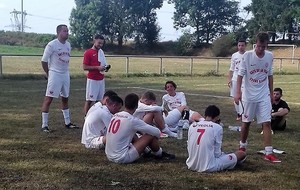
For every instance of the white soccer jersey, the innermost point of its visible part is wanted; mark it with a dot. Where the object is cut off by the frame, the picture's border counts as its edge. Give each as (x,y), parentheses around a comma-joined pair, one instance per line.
(173,102)
(204,145)
(58,56)
(94,107)
(101,57)
(255,72)
(236,59)
(140,112)
(122,128)
(95,124)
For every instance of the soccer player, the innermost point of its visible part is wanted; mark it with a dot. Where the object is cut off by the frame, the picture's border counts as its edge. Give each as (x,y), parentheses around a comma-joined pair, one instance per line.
(205,145)
(175,106)
(151,113)
(97,121)
(55,63)
(122,145)
(256,69)
(236,59)
(94,62)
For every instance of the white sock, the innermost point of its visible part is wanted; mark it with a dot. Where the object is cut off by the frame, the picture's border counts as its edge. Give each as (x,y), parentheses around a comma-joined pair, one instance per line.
(97,143)
(66,114)
(169,132)
(45,119)
(158,153)
(243,145)
(269,150)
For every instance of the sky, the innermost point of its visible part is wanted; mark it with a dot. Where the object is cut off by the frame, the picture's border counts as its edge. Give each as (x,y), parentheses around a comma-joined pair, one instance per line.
(44,15)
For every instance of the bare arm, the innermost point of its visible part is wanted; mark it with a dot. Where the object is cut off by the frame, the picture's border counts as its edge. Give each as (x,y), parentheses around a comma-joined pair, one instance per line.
(89,68)
(45,67)
(237,97)
(281,112)
(230,74)
(270,78)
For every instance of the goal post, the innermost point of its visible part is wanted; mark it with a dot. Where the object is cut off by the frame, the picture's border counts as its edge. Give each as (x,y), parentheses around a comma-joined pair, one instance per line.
(284,45)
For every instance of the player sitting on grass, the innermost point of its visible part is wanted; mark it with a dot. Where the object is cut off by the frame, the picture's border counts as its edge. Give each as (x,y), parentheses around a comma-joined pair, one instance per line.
(175,106)
(97,120)
(151,113)
(122,146)
(205,142)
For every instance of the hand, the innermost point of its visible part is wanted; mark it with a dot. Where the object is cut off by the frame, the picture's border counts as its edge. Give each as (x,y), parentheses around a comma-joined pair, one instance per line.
(237,98)
(229,84)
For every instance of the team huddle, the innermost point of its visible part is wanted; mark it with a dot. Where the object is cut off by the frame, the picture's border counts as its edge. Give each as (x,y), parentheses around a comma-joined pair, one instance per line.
(134,131)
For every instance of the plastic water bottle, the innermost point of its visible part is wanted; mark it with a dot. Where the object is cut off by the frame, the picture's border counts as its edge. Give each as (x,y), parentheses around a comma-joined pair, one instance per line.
(180,129)
(234,128)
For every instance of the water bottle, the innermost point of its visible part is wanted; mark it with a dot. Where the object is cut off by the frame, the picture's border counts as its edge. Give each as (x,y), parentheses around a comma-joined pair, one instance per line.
(234,128)
(180,129)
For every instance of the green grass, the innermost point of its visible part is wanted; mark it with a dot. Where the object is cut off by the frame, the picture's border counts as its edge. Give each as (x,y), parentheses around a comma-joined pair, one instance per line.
(30,159)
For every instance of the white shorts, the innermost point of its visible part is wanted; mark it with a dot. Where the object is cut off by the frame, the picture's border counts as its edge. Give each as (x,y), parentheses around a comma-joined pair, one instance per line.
(172,118)
(224,162)
(94,90)
(261,110)
(58,85)
(130,156)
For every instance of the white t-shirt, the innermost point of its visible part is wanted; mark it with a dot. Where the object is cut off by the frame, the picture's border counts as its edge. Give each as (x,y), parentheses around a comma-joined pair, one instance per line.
(58,56)
(204,145)
(236,59)
(95,124)
(255,72)
(173,102)
(143,108)
(122,128)
(101,57)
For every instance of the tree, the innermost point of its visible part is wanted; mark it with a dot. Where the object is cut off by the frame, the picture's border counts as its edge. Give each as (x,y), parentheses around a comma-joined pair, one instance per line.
(209,18)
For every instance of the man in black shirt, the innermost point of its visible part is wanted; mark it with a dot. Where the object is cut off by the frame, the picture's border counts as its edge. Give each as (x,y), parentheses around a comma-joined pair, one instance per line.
(279,111)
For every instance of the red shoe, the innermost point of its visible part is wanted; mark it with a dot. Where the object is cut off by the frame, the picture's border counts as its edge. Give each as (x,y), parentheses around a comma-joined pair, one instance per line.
(272,158)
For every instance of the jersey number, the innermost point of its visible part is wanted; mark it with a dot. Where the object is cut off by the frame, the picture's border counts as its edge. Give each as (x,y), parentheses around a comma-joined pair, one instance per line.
(201,132)
(114,126)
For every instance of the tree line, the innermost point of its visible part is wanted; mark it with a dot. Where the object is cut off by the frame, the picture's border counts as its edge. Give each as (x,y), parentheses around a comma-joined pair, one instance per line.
(123,20)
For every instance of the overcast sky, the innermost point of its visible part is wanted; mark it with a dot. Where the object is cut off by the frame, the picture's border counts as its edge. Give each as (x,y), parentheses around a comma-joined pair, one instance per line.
(44,15)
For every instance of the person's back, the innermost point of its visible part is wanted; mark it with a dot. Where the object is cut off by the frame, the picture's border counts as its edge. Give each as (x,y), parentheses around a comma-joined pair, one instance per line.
(204,145)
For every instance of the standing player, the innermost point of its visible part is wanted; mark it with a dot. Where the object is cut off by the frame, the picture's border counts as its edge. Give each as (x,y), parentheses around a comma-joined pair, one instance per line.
(55,62)
(151,113)
(205,145)
(236,59)
(122,145)
(94,62)
(97,121)
(256,69)
(175,106)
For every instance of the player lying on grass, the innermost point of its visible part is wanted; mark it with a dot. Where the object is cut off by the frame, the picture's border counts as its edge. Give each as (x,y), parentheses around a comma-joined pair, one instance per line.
(151,113)
(175,106)
(97,121)
(205,142)
(122,145)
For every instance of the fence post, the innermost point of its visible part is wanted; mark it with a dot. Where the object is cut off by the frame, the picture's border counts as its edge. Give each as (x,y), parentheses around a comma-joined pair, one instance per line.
(298,65)
(127,66)
(280,66)
(1,66)
(217,65)
(191,67)
(160,66)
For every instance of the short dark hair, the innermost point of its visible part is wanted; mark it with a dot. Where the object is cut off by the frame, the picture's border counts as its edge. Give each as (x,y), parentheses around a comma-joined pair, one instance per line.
(131,101)
(278,90)
(114,99)
(262,37)
(110,93)
(149,96)
(242,40)
(170,82)
(98,36)
(212,111)
(58,28)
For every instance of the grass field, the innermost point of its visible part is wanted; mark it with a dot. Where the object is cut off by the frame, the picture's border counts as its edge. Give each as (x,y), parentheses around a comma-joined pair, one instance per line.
(30,159)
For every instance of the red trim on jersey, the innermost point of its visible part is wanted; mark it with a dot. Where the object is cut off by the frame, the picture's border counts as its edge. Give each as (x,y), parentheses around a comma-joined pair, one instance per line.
(90,57)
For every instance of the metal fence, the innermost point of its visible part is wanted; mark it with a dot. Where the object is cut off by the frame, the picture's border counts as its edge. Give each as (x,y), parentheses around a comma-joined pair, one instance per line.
(140,64)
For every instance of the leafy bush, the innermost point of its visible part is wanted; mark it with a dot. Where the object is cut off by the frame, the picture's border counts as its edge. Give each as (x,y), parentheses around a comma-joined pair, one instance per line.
(224,46)
(185,44)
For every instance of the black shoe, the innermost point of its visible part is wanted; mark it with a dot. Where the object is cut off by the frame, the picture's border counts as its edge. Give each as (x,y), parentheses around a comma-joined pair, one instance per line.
(71,126)
(46,129)
(165,156)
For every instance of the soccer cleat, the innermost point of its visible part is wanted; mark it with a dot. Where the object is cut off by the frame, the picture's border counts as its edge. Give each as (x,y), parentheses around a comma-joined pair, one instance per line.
(165,156)
(46,129)
(71,126)
(272,158)
(242,149)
